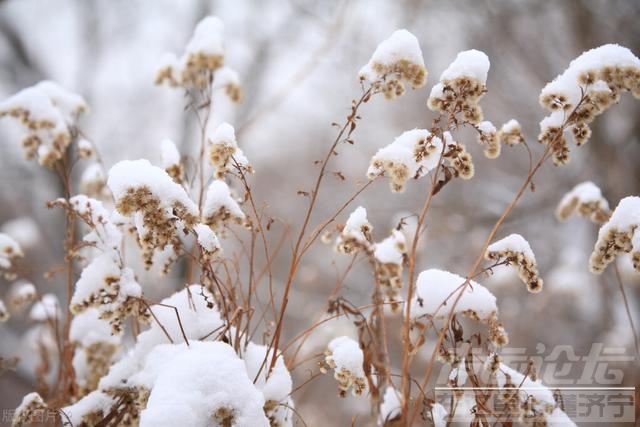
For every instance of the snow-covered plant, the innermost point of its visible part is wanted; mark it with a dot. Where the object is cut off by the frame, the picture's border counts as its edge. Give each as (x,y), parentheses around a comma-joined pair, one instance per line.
(618,235)
(218,349)
(49,114)
(514,249)
(395,61)
(584,199)
(345,357)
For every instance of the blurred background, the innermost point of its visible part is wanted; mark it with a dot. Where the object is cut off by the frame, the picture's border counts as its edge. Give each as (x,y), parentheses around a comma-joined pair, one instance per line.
(298,61)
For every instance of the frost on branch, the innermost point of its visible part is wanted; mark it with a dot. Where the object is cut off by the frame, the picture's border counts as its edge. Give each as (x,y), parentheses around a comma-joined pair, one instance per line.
(356,233)
(618,235)
(346,358)
(219,207)
(436,292)
(514,249)
(592,83)
(162,207)
(49,113)
(9,252)
(461,86)
(584,199)
(224,152)
(389,256)
(396,60)
(411,155)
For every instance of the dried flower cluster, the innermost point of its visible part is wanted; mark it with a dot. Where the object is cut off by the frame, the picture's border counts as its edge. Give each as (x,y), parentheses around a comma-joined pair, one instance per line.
(515,250)
(32,409)
(395,61)
(458,158)
(160,207)
(389,258)
(488,137)
(618,235)
(511,133)
(220,208)
(95,348)
(9,252)
(49,113)
(224,152)
(356,233)
(21,294)
(201,66)
(4,313)
(593,82)
(93,182)
(171,161)
(203,55)
(346,358)
(461,86)
(585,200)
(411,155)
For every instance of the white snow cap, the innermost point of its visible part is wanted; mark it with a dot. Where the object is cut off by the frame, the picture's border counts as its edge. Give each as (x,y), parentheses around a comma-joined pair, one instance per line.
(9,249)
(21,293)
(199,384)
(207,37)
(585,194)
(390,406)
(87,328)
(470,63)
(23,230)
(198,321)
(399,160)
(346,354)
(511,126)
(486,127)
(621,233)
(140,173)
(48,308)
(169,153)
(207,238)
(356,224)
(391,249)
(626,215)
(567,83)
(275,385)
(105,235)
(513,243)
(47,101)
(401,45)
(219,197)
(436,291)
